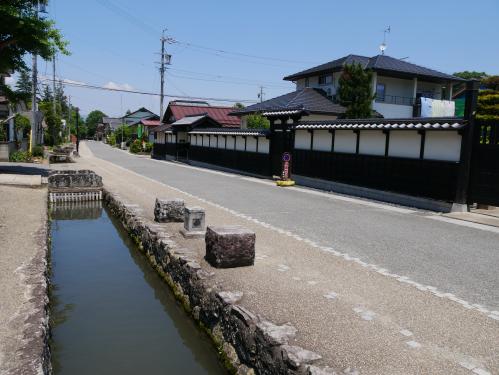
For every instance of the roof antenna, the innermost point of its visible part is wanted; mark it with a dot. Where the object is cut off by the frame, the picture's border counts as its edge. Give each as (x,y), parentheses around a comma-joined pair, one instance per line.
(382,46)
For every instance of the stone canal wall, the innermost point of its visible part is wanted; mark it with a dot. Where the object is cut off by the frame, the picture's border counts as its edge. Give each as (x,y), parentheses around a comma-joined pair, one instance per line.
(247,343)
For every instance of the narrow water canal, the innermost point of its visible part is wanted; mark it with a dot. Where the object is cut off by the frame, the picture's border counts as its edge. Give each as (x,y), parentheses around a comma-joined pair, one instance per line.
(112,314)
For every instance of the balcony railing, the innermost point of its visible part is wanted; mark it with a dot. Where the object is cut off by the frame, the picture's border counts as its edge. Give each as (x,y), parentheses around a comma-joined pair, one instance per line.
(392,99)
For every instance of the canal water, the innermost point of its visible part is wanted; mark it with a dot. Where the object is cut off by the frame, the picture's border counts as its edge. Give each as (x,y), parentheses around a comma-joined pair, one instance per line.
(111,313)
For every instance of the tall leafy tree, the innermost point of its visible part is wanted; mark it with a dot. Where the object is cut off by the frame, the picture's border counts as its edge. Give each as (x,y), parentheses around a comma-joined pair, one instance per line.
(355,92)
(93,118)
(471,74)
(23,32)
(257,121)
(24,86)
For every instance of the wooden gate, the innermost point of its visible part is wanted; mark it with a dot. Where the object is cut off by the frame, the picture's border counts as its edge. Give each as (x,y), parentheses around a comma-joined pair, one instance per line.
(484,182)
(281,141)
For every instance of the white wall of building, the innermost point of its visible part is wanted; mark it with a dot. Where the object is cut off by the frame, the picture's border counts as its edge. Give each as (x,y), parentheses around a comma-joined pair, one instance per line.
(251,144)
(263,145)
(345,141)
(393,110)
(302,140)
(404,144)
(239,143)
(372,142)
(442,145)
(322,140)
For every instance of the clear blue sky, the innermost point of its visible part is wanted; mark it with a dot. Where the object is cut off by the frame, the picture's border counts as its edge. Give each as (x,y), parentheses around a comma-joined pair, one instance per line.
(117,42)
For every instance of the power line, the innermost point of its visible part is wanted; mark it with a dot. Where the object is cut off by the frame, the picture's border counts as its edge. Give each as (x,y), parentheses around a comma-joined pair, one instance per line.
(119,10)
(257,82)
(103,88)
(222,81)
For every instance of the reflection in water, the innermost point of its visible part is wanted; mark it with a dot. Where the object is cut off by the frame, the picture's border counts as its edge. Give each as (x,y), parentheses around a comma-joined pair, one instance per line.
(111,313)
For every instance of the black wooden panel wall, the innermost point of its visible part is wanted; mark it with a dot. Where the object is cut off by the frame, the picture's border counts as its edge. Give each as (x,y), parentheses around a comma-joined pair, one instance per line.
(485,165)
(417,177)
(251,162)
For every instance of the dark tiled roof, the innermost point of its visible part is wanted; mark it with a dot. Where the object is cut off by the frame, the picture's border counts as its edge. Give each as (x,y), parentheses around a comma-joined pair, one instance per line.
(377,63)
(387,63)
(434,123)
(308,99)
(331,66)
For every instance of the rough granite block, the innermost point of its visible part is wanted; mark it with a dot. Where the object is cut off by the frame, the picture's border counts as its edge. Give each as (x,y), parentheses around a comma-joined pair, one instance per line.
(168,211)
(230,246)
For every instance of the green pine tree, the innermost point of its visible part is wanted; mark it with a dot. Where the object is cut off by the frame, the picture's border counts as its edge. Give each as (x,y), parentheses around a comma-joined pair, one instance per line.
(355,92)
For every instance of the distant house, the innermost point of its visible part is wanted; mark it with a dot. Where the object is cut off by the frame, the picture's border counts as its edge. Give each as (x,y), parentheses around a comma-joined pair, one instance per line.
(396,83)
(178,109)
(106,126)
(310,102)
(182,116)
(133,120)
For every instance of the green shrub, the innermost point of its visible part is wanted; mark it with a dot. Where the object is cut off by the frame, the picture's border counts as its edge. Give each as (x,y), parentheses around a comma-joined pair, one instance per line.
(148,147)
(111,139)
(20,156)
(136,146)
(37,151)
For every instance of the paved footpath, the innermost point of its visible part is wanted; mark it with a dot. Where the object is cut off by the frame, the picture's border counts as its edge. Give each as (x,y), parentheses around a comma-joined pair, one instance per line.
(23,219)
(371,287)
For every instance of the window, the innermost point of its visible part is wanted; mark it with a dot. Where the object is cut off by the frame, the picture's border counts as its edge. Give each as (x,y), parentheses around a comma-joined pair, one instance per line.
(325,79)
(380,92)
(307,82)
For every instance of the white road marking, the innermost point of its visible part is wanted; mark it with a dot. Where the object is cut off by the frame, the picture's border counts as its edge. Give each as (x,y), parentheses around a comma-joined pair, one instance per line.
(463,223)
(405,279)
(406,332)
(481,371)
(331,295)
(312,282)
(413,344)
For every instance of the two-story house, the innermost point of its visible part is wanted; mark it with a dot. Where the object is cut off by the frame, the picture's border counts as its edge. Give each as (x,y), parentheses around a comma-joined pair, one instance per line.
(395,83)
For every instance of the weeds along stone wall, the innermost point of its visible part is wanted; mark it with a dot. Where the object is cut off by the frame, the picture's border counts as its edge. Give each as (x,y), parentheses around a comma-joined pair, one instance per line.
(247,343)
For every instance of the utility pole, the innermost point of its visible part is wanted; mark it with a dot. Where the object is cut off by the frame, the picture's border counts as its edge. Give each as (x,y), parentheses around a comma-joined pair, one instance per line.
(77,131)
(54,108)
(165,60)
(68,125)
(33,104)
(260,95)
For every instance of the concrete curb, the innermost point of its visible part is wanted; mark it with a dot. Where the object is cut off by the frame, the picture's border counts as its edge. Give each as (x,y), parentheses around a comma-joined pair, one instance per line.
(248,343)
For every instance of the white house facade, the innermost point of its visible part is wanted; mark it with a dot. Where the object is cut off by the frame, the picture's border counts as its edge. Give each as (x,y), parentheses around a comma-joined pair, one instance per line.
(396,83)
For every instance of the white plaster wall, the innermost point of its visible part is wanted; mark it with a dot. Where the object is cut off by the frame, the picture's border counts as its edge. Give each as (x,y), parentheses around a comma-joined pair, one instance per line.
(372,142)
(397,86)
(322,140)
(240,143)
(345,141)
(221,142)
(404,144)
(213,141)
(263,145)
(251,144)
(442,145)
(230,142)
(206,139)
(302,140)
(244,122)
(393,110)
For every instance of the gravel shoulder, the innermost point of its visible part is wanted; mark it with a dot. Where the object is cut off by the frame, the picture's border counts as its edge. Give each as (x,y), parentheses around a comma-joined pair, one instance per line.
(23,292)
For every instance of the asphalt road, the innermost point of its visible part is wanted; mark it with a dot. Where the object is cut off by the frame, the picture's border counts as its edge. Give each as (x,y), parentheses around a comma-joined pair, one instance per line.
(453,258)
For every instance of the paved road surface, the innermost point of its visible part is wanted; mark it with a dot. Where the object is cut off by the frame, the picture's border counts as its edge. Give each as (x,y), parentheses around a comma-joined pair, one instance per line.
(453,258)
